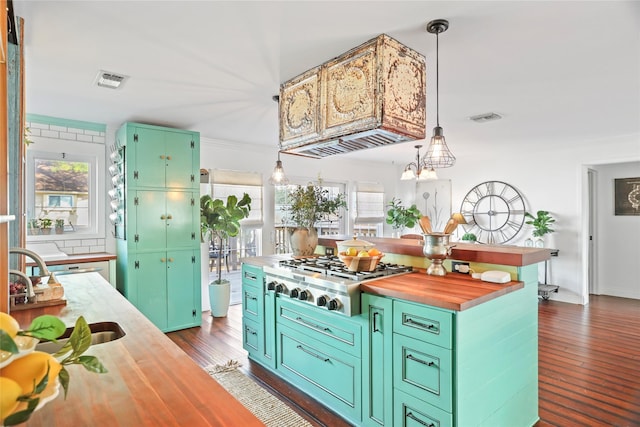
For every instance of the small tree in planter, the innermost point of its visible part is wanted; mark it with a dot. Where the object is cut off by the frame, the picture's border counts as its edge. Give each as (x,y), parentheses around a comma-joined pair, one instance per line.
(59,226)
(221,220)
(400,217)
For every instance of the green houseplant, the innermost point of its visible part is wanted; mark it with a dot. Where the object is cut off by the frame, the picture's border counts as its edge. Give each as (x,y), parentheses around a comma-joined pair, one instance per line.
(307,205)
(59,226)
(399,216)
(541,223)
(469,237)
(221,220)
(45,225)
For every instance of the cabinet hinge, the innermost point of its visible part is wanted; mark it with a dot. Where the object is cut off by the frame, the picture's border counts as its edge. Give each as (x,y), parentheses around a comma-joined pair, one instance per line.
(135,174)
(136,238)
(135,201)
(193,202)
(135,137)
(193,236)
(136,264)
(193,259)
(192,178)
(193,313)
(193,144)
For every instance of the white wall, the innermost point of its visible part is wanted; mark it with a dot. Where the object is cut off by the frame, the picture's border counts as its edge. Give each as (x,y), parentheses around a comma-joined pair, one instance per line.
(553,180)
(617,237)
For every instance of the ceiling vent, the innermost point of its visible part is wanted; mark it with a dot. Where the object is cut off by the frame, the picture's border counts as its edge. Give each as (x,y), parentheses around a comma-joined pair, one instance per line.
(110,80)
(487,117)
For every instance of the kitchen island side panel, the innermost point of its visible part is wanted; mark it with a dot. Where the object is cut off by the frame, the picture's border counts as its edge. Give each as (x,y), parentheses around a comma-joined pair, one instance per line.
(497,358)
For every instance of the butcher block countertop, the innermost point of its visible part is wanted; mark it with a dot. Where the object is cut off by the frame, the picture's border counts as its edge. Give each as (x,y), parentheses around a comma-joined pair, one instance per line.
(77,258)
(151,381)
(517,256)
(454,291)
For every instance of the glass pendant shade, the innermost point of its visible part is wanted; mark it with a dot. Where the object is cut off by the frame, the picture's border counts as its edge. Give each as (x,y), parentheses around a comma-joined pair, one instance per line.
(278,177)
(407,174)
(419,169)
(438,154)
(427,173)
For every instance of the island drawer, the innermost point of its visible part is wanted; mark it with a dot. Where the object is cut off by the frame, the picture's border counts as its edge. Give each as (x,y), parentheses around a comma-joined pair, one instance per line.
(423,370)
(409,411)
(251,337)
(328,328)
(424,323)
(329,375)
(251,305)
(252,275)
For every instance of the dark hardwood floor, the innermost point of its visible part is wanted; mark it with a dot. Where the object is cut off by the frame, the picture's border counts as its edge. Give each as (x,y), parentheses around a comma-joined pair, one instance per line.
(589,359)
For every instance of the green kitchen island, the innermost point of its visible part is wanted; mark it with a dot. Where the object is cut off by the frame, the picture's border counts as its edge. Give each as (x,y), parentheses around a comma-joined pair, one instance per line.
(423,350)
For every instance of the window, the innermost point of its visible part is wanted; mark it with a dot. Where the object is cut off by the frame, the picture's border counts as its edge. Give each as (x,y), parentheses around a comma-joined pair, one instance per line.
(249,241)
(369,210)
(64,186)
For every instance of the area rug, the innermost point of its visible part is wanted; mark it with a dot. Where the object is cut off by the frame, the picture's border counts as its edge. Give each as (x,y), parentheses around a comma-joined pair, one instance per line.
(265,406)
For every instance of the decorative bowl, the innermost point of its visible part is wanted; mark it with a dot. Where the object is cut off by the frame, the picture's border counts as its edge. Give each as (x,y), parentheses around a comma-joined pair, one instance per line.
(360,263)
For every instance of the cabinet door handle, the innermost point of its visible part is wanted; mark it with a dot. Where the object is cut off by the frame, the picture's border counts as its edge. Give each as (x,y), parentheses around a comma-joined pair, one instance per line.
(162,156)
(162,259)
(170,259)
(415,359)
(375,326)
(418,420)
(312,325)
(163,217)
(422,325)
(311,353)
(168,157)
(169,216)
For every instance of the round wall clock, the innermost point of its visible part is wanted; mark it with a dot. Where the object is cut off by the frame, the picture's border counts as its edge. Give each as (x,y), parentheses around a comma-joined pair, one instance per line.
(494,212)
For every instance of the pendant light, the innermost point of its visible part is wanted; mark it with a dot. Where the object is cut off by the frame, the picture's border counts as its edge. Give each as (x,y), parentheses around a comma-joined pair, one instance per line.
(418,169)
(278,177)
(438,154)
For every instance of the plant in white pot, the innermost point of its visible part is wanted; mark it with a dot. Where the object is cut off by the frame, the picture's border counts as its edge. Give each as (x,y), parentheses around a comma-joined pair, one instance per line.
(221,220)
(541,223)
(308,205)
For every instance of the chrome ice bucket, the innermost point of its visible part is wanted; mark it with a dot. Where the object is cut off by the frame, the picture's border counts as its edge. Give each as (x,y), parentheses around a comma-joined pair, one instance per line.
(437,249)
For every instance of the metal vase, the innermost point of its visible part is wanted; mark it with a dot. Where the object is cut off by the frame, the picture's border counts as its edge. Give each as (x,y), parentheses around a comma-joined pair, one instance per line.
(437,249)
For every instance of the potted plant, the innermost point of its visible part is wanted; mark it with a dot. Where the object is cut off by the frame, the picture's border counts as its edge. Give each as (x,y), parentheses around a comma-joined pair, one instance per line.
(308,205)
(221,220)
(399,216)
(34,226)
(59,226)
(541,223)
(45,225)
(469,238)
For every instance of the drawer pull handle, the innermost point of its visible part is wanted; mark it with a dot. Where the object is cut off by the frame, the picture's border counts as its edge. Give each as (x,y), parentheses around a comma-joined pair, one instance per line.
(422,325)
(312,325)
(415,359)
(416,419)
(253,297)
(375,327)
(250,276)
(317,356)
(251,331)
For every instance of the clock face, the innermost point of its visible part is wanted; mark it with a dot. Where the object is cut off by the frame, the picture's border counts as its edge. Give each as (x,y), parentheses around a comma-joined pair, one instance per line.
(494,212)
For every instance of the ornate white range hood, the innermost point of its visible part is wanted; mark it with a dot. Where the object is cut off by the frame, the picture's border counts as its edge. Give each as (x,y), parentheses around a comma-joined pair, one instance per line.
(370,96)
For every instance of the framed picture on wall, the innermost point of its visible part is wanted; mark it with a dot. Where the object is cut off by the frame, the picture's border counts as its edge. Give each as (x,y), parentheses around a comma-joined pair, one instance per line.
(433,198)
(626,196)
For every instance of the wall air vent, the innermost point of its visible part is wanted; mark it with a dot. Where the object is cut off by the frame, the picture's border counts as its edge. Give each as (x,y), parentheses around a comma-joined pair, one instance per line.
(487,117)
(110,80)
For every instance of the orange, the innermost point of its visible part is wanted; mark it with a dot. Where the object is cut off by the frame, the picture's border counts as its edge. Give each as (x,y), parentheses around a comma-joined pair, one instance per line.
(29,370)
(9,392)
(374,252)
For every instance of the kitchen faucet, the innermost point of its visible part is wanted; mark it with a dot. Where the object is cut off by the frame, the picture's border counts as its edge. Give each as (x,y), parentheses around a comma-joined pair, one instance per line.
(44,271)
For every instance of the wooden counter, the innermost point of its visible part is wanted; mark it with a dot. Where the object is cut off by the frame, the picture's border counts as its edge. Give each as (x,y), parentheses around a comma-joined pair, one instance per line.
(151,381)
(454,291)
(517,256)
(77,258)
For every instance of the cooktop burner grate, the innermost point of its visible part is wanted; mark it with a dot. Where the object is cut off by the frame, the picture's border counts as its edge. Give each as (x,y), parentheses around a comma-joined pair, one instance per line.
(332,266)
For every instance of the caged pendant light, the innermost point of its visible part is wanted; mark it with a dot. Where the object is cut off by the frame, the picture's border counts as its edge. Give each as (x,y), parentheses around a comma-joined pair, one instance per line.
(438,154)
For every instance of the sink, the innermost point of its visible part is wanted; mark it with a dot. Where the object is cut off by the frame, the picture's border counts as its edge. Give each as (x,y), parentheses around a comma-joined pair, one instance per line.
(101,332)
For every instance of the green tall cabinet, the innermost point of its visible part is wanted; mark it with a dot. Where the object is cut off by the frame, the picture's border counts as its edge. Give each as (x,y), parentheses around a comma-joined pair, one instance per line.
(158,231)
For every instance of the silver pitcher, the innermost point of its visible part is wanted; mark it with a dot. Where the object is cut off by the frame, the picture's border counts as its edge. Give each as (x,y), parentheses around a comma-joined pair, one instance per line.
(437,249)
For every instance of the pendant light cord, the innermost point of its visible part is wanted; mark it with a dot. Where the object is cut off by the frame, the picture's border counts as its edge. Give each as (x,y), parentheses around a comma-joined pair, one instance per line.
(437,81)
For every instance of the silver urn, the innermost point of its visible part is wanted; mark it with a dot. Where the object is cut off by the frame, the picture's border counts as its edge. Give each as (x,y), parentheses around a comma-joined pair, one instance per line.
(437,249)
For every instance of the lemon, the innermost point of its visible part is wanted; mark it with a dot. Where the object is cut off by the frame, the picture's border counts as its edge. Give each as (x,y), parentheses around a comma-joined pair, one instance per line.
(351,251)
(10,390)
(363,253)
(29,370)
(9,324)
